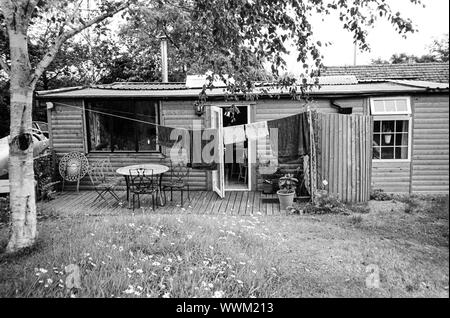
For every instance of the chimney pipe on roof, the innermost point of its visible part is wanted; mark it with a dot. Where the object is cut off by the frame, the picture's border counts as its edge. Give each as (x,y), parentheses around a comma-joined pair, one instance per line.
(164,60)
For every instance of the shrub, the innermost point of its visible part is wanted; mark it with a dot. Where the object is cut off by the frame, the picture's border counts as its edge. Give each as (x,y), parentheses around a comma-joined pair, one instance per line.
(380,195)
(326,204)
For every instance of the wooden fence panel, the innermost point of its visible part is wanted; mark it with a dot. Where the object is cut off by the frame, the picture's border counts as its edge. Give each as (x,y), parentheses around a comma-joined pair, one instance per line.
(345,147)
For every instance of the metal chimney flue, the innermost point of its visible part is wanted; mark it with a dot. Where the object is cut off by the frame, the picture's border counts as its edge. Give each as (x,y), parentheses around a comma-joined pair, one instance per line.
(164,60)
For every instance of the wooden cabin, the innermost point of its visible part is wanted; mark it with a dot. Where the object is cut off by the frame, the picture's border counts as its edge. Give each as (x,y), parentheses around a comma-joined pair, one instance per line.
(410,125)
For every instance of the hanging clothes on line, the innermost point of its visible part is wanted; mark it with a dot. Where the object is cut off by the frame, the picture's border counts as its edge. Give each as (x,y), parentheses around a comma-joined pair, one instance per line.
(203,149)
(293,137)
(256,130)
(233,134)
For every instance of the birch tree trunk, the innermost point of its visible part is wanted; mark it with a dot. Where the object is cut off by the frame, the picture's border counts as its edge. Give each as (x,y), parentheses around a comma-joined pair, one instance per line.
(23,78)
(21,174)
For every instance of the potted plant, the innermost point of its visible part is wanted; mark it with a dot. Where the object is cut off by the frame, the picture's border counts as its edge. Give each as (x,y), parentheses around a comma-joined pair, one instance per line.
(286,194)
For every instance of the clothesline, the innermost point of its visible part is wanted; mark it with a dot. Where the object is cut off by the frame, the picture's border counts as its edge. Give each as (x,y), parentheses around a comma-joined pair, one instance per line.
(146,122)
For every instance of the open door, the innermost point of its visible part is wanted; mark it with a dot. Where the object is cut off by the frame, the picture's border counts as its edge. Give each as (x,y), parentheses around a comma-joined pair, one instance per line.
(218,182)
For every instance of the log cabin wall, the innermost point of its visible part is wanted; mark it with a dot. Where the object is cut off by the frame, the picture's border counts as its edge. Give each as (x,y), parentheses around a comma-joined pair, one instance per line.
(430,152)
(427,172)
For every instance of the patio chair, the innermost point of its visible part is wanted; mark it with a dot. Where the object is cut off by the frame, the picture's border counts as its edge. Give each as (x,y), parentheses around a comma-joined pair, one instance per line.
(100,172)
(143,182)
(73,167)
(178,180)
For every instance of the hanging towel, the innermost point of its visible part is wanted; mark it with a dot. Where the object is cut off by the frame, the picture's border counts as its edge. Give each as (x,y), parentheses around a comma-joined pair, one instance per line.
(256,130)
(199,160)
(233,134)
(293,137)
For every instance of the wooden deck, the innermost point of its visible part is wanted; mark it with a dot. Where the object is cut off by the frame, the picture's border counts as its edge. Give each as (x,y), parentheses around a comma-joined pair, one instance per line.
(202,202)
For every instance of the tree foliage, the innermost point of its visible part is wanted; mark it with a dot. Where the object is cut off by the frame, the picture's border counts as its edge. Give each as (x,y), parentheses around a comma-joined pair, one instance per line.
(437,52)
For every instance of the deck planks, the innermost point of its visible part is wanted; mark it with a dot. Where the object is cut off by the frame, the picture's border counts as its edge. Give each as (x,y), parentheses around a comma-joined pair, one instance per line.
(242,203)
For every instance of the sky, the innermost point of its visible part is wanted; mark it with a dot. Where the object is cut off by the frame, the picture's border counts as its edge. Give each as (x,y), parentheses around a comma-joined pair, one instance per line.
(431,21)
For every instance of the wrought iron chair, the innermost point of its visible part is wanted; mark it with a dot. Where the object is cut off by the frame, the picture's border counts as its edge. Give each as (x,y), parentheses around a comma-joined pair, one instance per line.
(100,173)
(73,167)
(178,180)
(143,183)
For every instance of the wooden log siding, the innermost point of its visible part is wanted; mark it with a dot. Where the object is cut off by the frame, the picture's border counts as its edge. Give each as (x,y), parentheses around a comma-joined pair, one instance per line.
(181,114)
(67,127)
(430,158)
(68,135)
(344,154)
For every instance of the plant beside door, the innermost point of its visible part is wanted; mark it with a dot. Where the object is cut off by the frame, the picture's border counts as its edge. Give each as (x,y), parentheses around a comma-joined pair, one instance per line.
(286,194)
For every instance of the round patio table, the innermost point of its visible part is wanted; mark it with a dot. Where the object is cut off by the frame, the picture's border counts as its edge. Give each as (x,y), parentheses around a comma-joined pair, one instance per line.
(158,169)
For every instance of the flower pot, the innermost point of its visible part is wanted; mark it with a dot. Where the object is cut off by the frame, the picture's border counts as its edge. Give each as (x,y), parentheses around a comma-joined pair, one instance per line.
(286,199)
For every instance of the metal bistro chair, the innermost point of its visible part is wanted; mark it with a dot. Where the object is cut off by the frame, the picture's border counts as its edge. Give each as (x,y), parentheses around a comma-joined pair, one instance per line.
(73,167)
(101,175)
(179,179)
(143,183)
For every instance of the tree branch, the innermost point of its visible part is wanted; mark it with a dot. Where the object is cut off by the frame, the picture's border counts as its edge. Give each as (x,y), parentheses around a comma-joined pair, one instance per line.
(51,53)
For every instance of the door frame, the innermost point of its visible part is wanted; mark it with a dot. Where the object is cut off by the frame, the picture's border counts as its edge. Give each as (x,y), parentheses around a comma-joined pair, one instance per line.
(249,151)
(217,176)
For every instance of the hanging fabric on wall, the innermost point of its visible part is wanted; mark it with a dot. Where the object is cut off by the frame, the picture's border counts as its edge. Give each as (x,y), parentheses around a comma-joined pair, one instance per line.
(164,136)
(233,134)
(203,151)
(293,137)
(256,130)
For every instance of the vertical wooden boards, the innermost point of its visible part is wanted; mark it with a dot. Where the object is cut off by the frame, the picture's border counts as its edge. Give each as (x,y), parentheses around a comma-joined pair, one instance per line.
(345,155)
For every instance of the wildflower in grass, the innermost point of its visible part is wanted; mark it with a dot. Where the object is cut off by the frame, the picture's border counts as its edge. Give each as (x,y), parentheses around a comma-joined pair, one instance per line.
(167,268)
(166,295)
(139,271)
(129,290)
(49,281)
(254,271)
(189,236)
(240,282)
(210,285)
(219,294)
(156,264)
(179,258)
(169,260)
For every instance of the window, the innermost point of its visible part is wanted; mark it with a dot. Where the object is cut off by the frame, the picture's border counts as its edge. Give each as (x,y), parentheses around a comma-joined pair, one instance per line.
(391,129)
(113,134)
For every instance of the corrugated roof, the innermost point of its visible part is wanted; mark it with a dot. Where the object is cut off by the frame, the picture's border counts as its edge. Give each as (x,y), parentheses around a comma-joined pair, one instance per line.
(433,72)
(344,89)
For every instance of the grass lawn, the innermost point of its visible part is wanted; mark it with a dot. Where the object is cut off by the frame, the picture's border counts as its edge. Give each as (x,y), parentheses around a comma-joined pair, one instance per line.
(151,255)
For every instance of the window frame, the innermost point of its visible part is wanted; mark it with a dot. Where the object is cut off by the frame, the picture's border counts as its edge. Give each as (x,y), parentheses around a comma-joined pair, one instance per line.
(386,116)
(158,119)
(406,98)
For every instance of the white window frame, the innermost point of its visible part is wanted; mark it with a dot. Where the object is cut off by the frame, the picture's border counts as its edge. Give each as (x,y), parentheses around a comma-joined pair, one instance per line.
(395,116)
(406,98)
